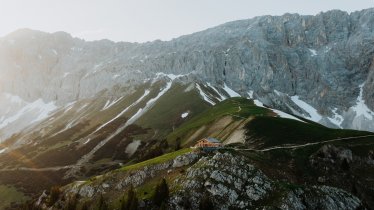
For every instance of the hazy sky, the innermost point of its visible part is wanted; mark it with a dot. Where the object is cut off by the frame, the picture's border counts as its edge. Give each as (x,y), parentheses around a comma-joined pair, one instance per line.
(147,20)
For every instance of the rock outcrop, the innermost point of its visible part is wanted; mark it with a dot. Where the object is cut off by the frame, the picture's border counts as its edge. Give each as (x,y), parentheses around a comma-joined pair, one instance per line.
(231,182)
(227,180)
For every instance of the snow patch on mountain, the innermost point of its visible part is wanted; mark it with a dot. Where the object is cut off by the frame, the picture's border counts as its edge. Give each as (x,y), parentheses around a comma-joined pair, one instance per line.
(109,103)
(361,108)
(3,150)
(204,95)
(18,114)
(149,105)
(69,106)
(139,113)
(82,107)
(222,97)
(250,94)
(146,92)
(88,141)
(278,112)
(278,92)
(171,76)
(38,109)
(66,74)
(115,76)
(314,52)
(337,119)
(285,115)
(230,91)
(184,115)
(132,147)
(189,88)
(258,103)
(13,98)
(255,101)
(313,113)
(44,109)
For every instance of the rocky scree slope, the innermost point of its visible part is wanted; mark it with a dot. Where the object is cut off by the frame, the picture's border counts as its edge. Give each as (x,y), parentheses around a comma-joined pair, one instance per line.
(319,67)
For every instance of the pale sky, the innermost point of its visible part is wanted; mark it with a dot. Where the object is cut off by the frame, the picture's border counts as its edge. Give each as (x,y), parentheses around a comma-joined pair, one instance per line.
(147,20)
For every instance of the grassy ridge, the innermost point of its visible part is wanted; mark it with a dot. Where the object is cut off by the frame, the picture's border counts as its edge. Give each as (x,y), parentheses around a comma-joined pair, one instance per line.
(239,108)
(277,131)
(157,160)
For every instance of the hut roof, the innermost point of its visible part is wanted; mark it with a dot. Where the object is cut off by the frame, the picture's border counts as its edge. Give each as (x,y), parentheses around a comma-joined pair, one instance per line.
(213,140)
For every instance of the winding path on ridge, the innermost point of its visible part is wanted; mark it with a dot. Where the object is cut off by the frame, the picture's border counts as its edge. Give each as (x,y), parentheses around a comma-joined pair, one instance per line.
(291,146)
(56,168)
(301,145)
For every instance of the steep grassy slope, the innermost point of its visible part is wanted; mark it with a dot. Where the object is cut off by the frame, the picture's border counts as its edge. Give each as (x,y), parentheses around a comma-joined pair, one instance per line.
(221,119)
(165,116)
(269,131)
(132,121)
(262,127)
(76,129)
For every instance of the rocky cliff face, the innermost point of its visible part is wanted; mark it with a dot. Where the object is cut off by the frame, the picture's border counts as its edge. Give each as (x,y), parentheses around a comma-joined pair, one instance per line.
(319,67)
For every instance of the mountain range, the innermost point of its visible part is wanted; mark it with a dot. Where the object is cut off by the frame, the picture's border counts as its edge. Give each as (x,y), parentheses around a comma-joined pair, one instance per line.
(71,109)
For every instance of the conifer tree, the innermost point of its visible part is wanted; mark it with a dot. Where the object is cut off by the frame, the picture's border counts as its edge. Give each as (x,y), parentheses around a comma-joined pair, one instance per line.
(206,203)
(102,205)
(161,193)
(131,202)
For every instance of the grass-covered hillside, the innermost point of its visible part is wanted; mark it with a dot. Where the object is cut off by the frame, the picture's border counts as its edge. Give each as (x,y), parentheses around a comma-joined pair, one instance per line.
(219,121)
(269,131)
(240,120)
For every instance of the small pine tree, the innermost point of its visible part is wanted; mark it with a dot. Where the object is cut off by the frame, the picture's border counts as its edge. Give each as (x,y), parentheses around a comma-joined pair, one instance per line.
(134,204)
(164,189)
(102,205)
(26,206)
(163,206)
(54,195)
(71,203)
(131,203)
(206,203)
(85,206)
(345,165)
(177,144)
(123,204)
(186,203)
(161,193)
(30,206)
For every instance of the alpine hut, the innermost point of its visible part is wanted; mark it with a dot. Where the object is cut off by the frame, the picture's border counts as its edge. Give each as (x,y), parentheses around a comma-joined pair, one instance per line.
(208,144)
